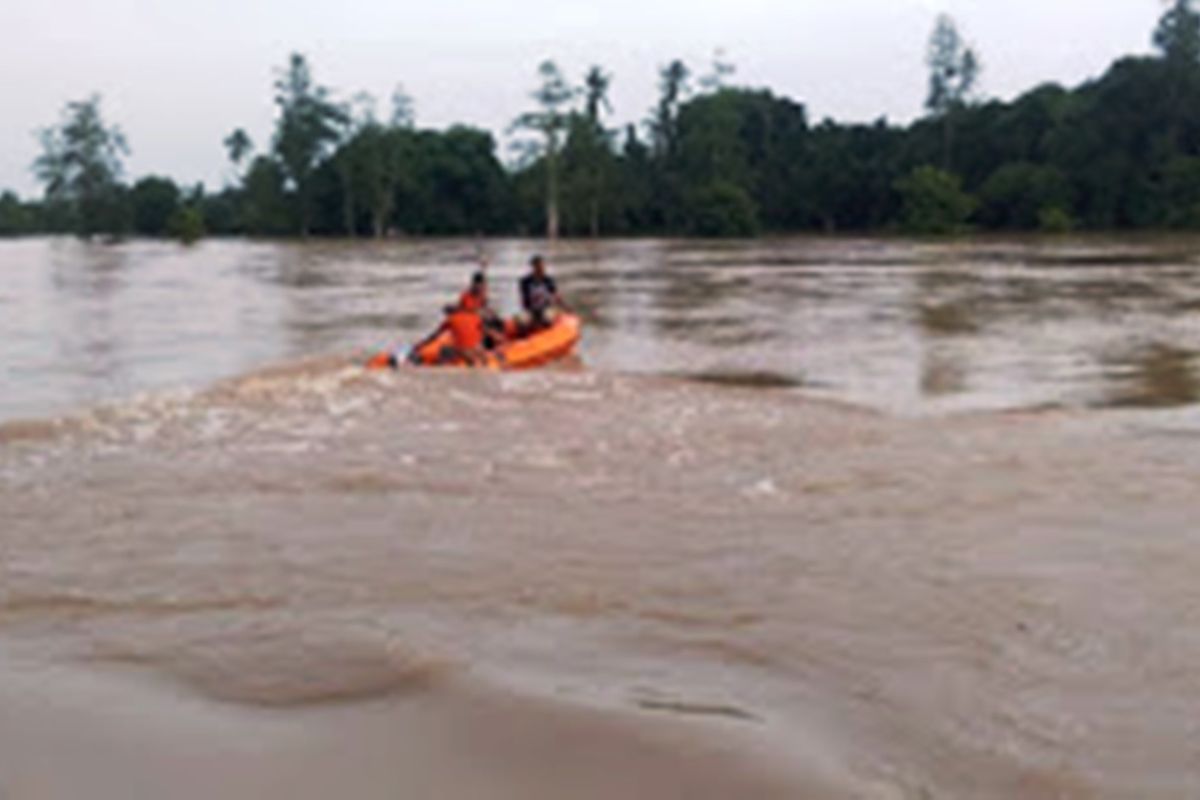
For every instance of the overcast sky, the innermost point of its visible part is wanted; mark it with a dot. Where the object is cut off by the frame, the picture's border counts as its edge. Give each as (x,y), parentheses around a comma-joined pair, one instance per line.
(178,76)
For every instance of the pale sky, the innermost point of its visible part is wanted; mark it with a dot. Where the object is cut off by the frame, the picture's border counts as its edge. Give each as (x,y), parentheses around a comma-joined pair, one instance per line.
(178,76)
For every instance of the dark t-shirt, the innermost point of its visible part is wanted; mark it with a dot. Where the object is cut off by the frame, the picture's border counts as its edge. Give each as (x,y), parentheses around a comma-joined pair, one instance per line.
(537,293)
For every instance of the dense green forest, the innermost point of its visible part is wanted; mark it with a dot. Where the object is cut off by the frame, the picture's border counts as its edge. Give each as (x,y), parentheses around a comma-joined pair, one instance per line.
(1121,151)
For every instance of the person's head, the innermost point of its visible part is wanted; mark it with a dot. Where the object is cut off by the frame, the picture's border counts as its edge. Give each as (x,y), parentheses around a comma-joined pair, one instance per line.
(479,284)
(538,264)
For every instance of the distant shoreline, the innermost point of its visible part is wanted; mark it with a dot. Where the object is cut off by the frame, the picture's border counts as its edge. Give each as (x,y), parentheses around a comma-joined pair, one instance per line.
(541,241)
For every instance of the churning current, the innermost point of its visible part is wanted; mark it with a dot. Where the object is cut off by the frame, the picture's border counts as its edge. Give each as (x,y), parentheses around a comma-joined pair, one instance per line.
(741,549)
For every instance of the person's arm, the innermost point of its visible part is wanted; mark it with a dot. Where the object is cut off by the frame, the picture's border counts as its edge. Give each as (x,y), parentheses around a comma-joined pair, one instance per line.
(436,333)
(524,291)
(558,298)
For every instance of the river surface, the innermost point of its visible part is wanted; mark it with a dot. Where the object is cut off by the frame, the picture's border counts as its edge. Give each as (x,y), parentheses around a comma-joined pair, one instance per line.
(913,328)
(808,518)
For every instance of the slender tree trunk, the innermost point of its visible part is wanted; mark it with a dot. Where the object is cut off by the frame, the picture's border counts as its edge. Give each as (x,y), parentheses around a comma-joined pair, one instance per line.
(552,195)
(594,205)
(948,141)
(380,212)
(1173,93)
(348,213)
(302,208)
(348,205)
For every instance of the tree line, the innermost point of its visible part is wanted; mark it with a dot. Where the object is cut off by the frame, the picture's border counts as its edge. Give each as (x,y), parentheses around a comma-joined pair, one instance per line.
(1121,151)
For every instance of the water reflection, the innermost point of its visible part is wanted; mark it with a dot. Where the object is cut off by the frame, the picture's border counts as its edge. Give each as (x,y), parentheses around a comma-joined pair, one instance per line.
(948,319)
(943,373)
(1159,376)
(91,340)
(87,270)
(948,302)
(750,379)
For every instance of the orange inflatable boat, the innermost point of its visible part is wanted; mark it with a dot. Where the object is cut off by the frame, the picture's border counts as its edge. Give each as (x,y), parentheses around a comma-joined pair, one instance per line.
(525,352)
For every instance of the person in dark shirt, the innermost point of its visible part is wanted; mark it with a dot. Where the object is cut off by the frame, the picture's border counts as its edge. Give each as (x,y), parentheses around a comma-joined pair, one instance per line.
(539,295)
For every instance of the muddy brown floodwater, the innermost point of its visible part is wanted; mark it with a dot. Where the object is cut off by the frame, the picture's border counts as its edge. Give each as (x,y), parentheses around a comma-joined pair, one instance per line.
(827,519)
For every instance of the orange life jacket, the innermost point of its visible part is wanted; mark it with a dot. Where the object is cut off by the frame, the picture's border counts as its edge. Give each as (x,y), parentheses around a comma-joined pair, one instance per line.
(470,301)
(466,328)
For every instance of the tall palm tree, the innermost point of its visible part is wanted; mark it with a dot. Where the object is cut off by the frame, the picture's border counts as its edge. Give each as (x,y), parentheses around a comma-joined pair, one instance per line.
(595,87)
(238,145)
(554,96)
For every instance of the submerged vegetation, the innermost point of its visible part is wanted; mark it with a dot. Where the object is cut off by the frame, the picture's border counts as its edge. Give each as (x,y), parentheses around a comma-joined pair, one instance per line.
(712,159)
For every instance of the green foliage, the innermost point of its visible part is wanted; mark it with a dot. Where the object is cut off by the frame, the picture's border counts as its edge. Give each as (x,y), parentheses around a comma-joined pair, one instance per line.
(672,87)
(238,145)
(589,162)
(186,224)
(633,194)
(370,162)
(80,169)
(1016,195)
(403,114)
(1121,151)
(589,167)
(953,67)
(1181,187)
(549,122)
(595,88)
(266,210)
(953,72)
(154,200)
(748,139)
(1177,36)
(710,144)
(222,213)
(308,125)
(721,209)
(450,183)
(1054,219)
(934,202)
(849,175)
(15,218)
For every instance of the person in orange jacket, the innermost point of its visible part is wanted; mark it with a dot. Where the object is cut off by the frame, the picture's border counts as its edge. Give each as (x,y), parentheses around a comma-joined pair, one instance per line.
(468,325)
(475,298)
